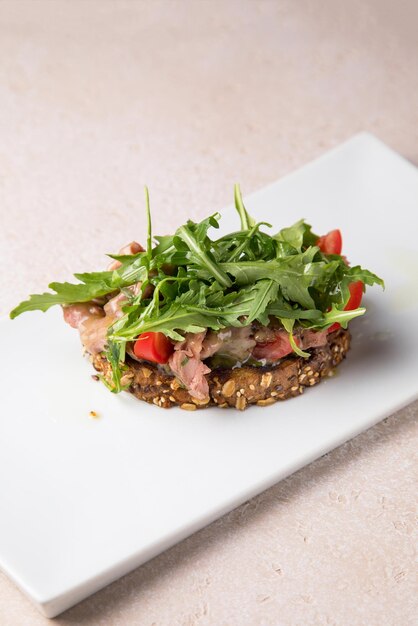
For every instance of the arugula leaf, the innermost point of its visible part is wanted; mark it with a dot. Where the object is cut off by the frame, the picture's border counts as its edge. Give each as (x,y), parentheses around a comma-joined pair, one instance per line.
(94,285)
(293,235)
(267,291)
(284,310)
(294,276)
(368,278)
(66,293)
(246,248)
(240,308)
(181,315)
(337,315)
(165,244)
(201,256)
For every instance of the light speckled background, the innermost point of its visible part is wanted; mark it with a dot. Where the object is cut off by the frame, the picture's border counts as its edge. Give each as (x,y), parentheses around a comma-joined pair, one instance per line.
(98,98)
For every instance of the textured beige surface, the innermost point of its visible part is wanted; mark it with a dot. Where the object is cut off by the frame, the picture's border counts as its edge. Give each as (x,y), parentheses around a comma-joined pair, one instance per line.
(97,98)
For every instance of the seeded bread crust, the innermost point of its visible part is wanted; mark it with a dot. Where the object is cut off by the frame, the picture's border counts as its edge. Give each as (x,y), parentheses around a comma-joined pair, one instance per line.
(236,388)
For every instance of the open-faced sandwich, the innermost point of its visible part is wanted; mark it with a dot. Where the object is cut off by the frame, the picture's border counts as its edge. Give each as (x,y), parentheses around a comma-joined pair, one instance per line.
(190,320)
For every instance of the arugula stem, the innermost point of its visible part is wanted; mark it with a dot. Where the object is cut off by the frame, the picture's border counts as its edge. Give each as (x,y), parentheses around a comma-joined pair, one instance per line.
(246,221)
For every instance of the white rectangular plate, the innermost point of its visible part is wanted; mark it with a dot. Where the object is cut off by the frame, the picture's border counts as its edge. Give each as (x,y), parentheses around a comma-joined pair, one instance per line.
(84,501)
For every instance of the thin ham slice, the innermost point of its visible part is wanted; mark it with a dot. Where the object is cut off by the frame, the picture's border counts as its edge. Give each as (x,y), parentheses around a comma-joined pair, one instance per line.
(191,373)
(186,361)
(192,344)
(187,366)
(113,308)
(93,321)
(210,345)
(93,331)
(76,314)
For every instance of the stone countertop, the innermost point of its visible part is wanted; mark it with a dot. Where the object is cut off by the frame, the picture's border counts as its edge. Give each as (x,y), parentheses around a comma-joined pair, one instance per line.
(98,98)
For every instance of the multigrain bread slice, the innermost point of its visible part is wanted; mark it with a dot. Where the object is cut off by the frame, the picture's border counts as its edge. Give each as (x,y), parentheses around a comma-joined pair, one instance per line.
(239,387)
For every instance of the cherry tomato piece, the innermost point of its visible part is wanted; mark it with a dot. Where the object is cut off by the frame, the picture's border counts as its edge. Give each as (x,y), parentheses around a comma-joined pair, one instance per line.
(356,294)
(333,327)
(354,301)
(331,243)
(155,347)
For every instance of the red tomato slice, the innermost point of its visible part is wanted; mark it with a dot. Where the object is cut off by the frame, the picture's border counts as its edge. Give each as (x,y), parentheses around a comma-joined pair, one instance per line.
(356,294)
(332,243)
(275,349)
(155,347)
(354,301)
